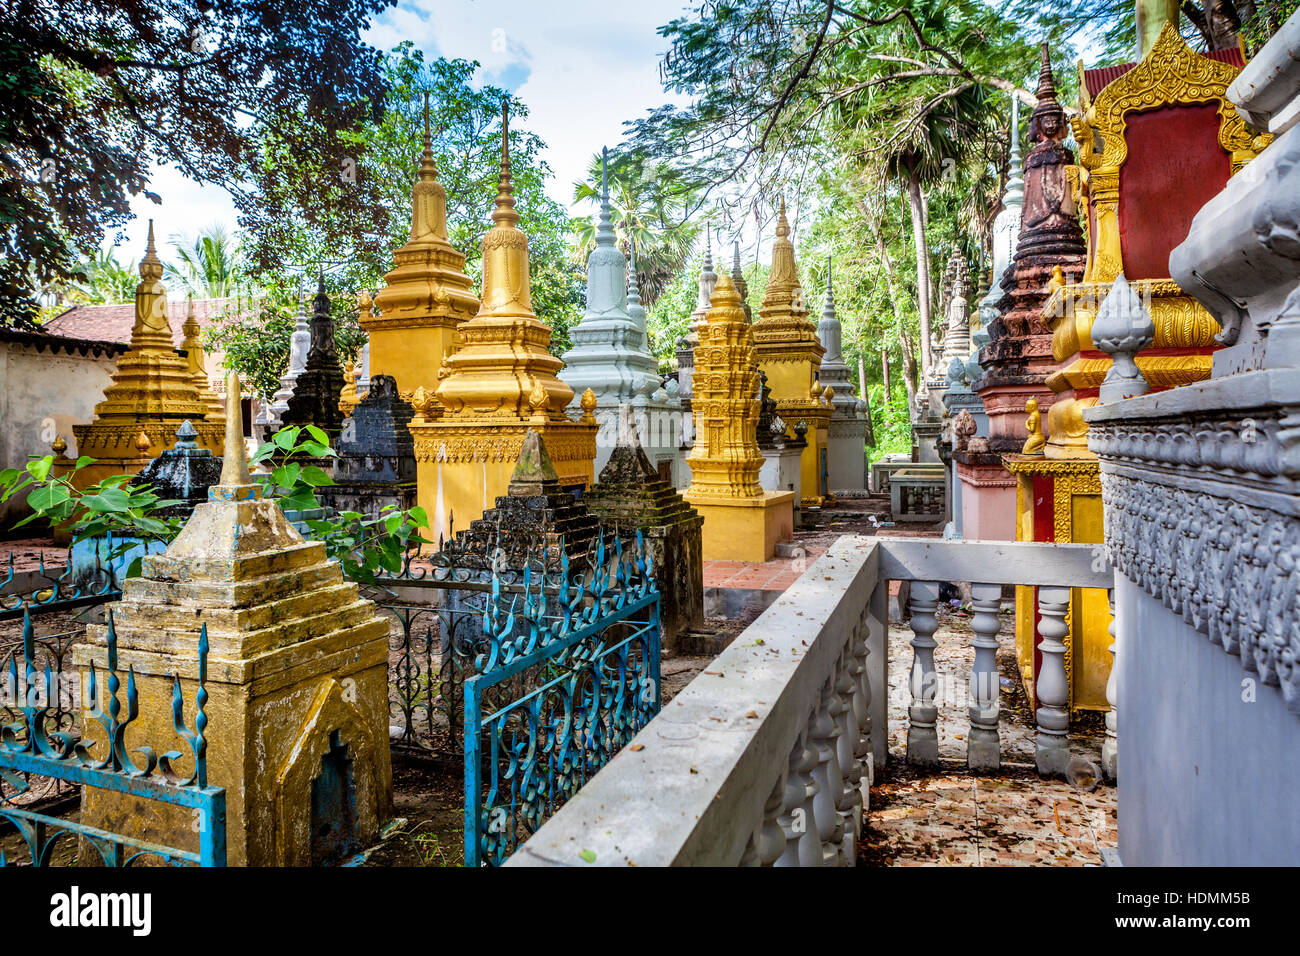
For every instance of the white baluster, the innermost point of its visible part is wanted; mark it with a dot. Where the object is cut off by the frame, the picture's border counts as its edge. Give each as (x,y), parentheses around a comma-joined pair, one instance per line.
(922,735)
(1052,749)
(846,746)
(1110,746)
(983,749)
(862,711)
(799,819)
(767,843)
(823,735)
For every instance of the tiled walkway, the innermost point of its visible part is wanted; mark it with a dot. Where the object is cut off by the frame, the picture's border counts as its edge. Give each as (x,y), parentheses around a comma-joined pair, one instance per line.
(777,574)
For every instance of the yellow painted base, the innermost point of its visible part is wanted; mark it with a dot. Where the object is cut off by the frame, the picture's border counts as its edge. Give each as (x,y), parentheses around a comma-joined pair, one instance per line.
(1075,509)
(745,529)
(461,469)
(297,659)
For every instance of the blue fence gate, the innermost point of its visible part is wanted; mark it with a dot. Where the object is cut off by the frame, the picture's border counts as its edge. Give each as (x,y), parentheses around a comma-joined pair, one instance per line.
(38,740)
(566,674)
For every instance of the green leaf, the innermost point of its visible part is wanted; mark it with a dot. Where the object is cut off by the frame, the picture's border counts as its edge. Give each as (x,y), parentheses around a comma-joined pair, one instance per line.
(286,438)
(316,477)
(263,452)
(108,500)
(588,856)
(318,434)
(82,462)
(286,476)
(419,516)
(40,468)
(133,569)
(47,496)
(316,450)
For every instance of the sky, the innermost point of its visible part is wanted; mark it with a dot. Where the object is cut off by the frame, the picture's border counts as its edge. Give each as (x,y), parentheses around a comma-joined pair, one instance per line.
(582,68)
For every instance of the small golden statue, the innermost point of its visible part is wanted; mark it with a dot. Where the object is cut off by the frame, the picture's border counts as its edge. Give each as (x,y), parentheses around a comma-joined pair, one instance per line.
(59,446)
(143,442)
(1057,281)
(1036,441)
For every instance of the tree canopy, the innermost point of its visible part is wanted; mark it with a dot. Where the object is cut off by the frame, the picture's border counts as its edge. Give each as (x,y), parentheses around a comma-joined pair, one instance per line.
(98,92)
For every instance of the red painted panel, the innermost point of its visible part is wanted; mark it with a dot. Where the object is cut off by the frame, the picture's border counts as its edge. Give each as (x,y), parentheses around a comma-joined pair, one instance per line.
(1174,166)
(1044,530)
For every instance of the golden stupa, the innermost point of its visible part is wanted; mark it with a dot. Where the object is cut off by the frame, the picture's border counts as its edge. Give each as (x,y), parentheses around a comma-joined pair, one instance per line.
(499,383)
(152,393)
(742,522)
(196,359)
(426,297)
(790,353)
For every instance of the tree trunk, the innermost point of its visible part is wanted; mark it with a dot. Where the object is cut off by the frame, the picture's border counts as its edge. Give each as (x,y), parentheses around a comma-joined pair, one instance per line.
(917,204)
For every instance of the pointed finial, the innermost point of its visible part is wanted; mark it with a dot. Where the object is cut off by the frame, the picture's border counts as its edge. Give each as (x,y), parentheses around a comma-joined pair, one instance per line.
(605,226)
(234,464)
(533,471)
(505,209)
(151,266)
(782,224)
(428,168)
(735,260)
(1046,83)
(828,311)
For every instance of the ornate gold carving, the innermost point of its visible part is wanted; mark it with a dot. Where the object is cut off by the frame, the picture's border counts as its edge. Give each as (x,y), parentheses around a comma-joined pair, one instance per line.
(1170,73)
(725,459)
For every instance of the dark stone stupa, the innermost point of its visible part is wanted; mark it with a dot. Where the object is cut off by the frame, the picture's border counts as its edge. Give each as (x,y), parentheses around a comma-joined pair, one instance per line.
(629,496)
(315,398)
(376,462)
(528,522)
(1019,353)
(182,473)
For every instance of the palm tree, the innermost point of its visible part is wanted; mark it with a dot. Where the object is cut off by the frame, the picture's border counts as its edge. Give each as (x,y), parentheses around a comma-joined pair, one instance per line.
(106,281)
(932,136)
(651,209)
(210,266)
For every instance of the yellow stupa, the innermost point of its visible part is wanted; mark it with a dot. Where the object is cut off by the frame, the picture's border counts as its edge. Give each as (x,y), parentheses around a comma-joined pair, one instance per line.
(197,361)
(152,393)
(427,295)
(499,383)
(790,353)
(742,522)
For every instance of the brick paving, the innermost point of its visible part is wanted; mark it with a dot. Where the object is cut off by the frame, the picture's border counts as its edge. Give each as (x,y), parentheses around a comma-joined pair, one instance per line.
(777,574)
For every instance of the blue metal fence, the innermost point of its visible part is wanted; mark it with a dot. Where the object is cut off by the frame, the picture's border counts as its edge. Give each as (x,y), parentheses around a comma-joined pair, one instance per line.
(561,684)
(59,589)
(29,747)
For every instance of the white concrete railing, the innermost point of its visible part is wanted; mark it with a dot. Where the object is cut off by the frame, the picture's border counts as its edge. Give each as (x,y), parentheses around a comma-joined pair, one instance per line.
(766,757)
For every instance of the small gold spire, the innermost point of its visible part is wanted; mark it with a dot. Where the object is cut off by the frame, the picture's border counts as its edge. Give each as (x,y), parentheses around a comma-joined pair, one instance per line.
(505,210)
(588,402)
(142,442)
(59,446)
(234,463)
(151,267)
(428,168)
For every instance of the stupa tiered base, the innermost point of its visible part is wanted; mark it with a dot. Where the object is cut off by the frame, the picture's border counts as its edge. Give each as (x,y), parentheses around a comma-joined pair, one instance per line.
(744,529)
(296,681)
